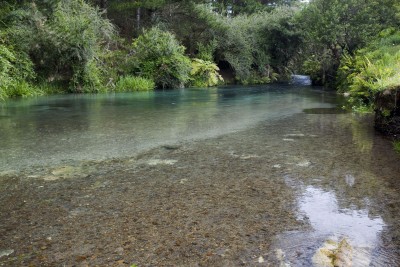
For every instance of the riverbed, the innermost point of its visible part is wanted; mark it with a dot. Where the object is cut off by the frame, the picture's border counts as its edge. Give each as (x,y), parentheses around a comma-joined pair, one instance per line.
(274,175)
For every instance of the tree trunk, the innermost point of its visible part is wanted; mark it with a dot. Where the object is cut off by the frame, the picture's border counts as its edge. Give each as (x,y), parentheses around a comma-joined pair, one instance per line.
(103,6)
(138,17)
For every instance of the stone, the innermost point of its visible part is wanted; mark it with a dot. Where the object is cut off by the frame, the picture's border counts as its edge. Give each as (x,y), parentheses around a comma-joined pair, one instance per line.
(334,254)
(6,252)
(154,162)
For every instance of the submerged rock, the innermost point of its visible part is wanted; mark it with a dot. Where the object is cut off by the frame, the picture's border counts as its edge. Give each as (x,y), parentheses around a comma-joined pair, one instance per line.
(261,259)
(249,156)
(50,178)
(304,163)
(8,172)
(280,255)
(334,254)
(64,172)
(182,181)
(154,162)
(7,252)
(295,135)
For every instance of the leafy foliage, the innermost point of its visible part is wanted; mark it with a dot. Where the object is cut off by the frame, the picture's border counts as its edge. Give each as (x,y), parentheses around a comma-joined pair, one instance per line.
(159,56)
(334,27)
(131,83)
(64,42)
(371,70)
(15,71)
(261,44)
(204,73)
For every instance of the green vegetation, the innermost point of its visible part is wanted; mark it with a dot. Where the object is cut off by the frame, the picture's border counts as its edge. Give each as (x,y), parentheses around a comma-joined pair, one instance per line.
(131,83)
(15,70)
(73,46)
(158,55)
(58,46)
(204,73)
(61,43)
(396,145)
(335,27)
(372,70)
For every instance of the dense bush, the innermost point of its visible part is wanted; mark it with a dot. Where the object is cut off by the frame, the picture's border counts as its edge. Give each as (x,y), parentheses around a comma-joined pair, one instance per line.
(260,45)
(65,42)
(204,73)
(131,83)
(16,70)
(371,70)
(158,55)
(70,42)
(335,27)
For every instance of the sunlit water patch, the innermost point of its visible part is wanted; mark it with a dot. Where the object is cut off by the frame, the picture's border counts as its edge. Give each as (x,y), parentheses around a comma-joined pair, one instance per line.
(322,210)
(337,236)
(359,229)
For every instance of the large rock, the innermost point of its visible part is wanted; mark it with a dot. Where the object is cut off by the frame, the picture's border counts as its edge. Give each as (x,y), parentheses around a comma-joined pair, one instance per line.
(387,112)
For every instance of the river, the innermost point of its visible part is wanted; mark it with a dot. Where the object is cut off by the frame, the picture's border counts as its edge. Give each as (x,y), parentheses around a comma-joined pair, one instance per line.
(272,175)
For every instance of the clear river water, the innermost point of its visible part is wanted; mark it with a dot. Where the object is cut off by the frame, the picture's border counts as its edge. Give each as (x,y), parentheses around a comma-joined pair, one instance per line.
(275,175)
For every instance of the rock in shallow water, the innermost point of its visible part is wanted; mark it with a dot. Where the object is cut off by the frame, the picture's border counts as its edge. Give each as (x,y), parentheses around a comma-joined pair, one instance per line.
(154,162)
(304,163)
(334,253)
(7,252)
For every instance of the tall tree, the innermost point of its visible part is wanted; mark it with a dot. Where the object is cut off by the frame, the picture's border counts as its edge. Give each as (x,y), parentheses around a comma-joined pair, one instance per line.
(335,26)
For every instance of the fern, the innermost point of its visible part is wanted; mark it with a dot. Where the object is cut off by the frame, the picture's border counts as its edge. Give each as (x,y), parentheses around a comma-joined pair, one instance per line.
(204,73)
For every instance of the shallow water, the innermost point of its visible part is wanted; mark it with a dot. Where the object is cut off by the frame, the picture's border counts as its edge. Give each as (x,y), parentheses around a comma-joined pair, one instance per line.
(52,129)
(261,176)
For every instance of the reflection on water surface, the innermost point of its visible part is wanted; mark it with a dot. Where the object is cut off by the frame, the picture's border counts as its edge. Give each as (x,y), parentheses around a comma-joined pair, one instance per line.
(325,216)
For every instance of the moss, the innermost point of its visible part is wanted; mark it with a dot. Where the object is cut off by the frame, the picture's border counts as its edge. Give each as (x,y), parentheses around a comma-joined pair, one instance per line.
(396,146)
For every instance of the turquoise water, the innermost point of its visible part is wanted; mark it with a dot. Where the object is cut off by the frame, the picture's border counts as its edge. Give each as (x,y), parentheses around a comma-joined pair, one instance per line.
(238,176)
(48,130)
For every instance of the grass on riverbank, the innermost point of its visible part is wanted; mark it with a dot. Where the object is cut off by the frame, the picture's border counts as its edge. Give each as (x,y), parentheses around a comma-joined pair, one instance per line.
(24,89)
(371,70)
(132,83)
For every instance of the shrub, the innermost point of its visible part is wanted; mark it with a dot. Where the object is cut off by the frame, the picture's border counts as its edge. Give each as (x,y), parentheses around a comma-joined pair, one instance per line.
(22,89)
(204,73)
(371,70)
(159,56)
(16,70)
(64,42)
(131,83)
(256,78)
(263,42)
(78,31)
